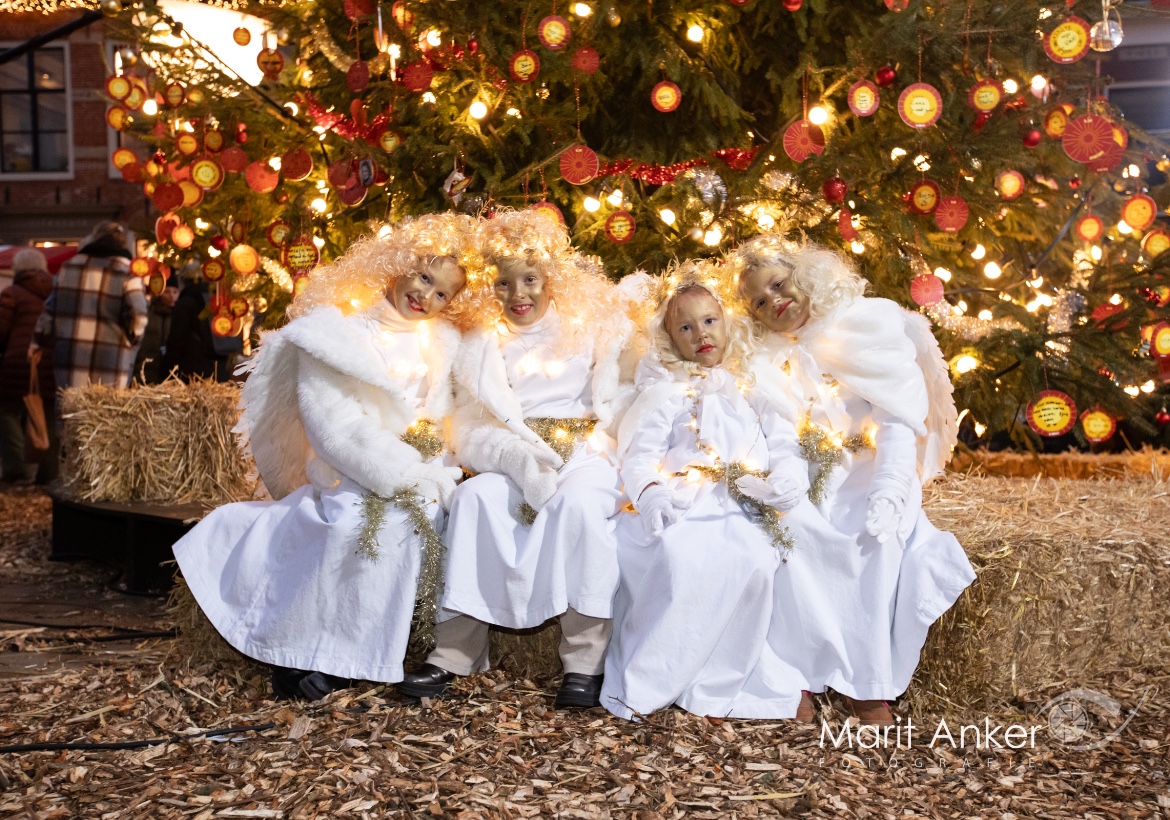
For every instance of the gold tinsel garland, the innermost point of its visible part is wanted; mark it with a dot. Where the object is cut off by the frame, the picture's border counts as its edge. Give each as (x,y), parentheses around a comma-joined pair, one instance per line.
(821,449)
(763,516)
(326,45)
(562,435)
(424,436)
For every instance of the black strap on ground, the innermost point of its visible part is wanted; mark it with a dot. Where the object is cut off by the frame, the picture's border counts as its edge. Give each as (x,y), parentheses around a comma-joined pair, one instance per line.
(60,31)
(131,744)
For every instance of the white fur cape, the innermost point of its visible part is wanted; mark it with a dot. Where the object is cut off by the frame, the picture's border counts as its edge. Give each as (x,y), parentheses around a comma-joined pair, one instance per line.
(489,424)
(888,356)
(318,404)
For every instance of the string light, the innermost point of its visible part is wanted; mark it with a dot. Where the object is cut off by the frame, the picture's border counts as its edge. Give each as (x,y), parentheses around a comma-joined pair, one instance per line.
(992,270)
(1134,171)
(922,163)
(856,247)
(202,224)
(897,153)
(1115,299)
(766,222)
(615,197)
(274,163)
(477,110)
(985,315)
(514,112)
(319,205)
(1095,252)
(1039,83)
(212,252)
(592,204)
(150,108)
(318,241)
(582,9)
(434,39)
(1148,387)
(966,363)
(1133,390)
(943,274)
(428,97)
(979,252)
(1011,86)
(713,236)
(695,33)
(667,216)
(1123,227)
(818,115)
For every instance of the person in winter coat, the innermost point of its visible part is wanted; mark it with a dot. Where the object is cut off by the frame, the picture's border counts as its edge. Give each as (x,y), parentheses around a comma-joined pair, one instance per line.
(96,314)
(191,348)
(20,305)
(148,364)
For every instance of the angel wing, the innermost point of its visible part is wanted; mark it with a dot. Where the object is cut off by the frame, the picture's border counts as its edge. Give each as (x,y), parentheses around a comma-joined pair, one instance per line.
(942,420)
(270,427)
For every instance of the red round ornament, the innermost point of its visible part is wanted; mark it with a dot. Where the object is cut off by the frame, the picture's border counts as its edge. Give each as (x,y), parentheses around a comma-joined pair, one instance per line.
(524,65)
(549,210)
(864,98)
(1032,138)
(357,77)
(296,164)
(261,178)
(885,76)
(897,5)
(951,214)
(353,195)
(665,96)
(845,225)
(1087,138)
(1068,42)
(620,227)
(834,189)
(586,60)
(1162,417)
(192,193)
(1010,184)
(578,164)
(793,5)
(553,32)
(164,225)
(219,242)
(926,290)
(1109,159)
(417,77)
(234,159)
(924,197)
(802,139)
(341,173)
(168,197)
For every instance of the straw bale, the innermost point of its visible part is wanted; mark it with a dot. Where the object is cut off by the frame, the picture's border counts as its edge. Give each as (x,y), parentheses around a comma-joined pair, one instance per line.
(1144,463)
(170,443)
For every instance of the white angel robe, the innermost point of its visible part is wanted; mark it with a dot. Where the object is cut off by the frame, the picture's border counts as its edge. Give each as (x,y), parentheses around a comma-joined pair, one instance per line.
(499,570)
(693,616)
(282,580)
(871,367)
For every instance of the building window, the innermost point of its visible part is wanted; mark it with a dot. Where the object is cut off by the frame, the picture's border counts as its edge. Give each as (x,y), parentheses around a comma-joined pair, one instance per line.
(34,113)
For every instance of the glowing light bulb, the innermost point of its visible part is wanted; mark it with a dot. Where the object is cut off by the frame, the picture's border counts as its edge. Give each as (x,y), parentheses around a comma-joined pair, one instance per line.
(667,216)
(980,429)
(582,9)
(766,222)
(274,163)
(992,270)
(695,33)
(1095,252)
(292,108)
(615,198)
(985,315)
(318,241)
(202,224)
(1135,171)
(319,205)
(150,108)
(961,307)
(1037,282)
(943,274)
(514,112)
(434,39)
(966,363)
(694,476)
(428,97)
(592,204)
(856,247)
(1133,390)
(897,153)
(1148,387)
(1123,227)
(212,252)
(818,115)
(713,236)
(395,50)
(1011,86)
(979,252)
(922,163)
(1039,83)
(1115,299)
(383,231)
(477,110)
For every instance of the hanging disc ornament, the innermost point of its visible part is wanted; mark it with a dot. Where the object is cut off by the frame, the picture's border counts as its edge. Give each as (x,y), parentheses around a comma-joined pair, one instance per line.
(1160,341)
(1055,122)
(244,260)
(665,96)
(803,139)
(296,164)
(845,225)
(174,94)
(620,227)
(1098,426)
(278,232)
(271,62)
(417,77)
(1010,184)
(168,197)
(586,60)
(164,225)
(143,266)
(864,98)
(116,117)
(926,290)
(1139,212)
(182,236)
(192,193)
(924,197)
(299,285)
(1155,243)
(1120,135)
(524,66)
(156,284)
(260,177)
(136,97)
(1087,137)
(214,270)
(985,96)
(117,87)
(207,173)
(553,32)
(1068,42)
(357,77)
(214,141)
(549,210)
(1051,413)
(951,214)
(239,307)
(1090,227)
(1109,159)
(353,195)
(356,9)
(222,324)
(897,5)
(579,165)
(920,105)
(123,157)
(341,173)
(242,36)
(234,159)
(300,255)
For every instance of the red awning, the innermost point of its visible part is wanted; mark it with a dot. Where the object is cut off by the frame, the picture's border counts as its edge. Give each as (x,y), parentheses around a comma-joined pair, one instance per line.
(55,256)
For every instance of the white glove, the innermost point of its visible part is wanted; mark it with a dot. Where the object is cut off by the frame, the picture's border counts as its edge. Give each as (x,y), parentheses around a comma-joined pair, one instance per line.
(780,492)
(657,507)
(433,480)
(528,466)
(883,514)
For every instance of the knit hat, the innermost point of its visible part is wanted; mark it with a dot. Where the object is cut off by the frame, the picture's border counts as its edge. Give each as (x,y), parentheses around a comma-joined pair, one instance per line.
(29,259)
(175,282)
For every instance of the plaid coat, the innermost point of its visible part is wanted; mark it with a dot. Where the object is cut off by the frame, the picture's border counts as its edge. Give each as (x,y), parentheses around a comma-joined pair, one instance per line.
(93,320)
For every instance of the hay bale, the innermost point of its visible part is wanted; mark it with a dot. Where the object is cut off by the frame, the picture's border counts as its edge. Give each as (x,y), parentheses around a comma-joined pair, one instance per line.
(198,642)
(170,443)
(1138,464)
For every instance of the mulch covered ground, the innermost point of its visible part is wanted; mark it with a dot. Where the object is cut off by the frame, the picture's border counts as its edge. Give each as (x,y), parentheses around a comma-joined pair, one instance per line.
(497,749)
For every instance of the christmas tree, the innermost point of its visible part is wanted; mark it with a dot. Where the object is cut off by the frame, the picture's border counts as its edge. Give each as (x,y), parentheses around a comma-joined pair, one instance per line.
(961,153)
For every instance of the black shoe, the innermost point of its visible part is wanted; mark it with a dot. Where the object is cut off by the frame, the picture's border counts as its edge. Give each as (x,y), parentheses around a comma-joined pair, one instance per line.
(297,684)
(428,681)
(579,691)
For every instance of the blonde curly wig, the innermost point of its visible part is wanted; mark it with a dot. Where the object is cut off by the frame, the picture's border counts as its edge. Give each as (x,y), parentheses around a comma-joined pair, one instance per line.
(367,270)
(679,278)
(824,277)
(585,298)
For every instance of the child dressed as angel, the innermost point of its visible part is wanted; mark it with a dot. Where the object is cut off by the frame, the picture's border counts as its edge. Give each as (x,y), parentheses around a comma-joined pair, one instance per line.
(711,461)
(877,419)
(343,413)
(538,385)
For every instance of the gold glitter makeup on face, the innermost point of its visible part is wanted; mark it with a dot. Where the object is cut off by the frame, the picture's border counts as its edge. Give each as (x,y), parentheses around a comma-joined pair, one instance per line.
(522,292)
(697,327)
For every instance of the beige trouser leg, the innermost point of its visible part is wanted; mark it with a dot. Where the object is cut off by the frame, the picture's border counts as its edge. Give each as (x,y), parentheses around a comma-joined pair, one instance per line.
(583,642)
(461,645)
